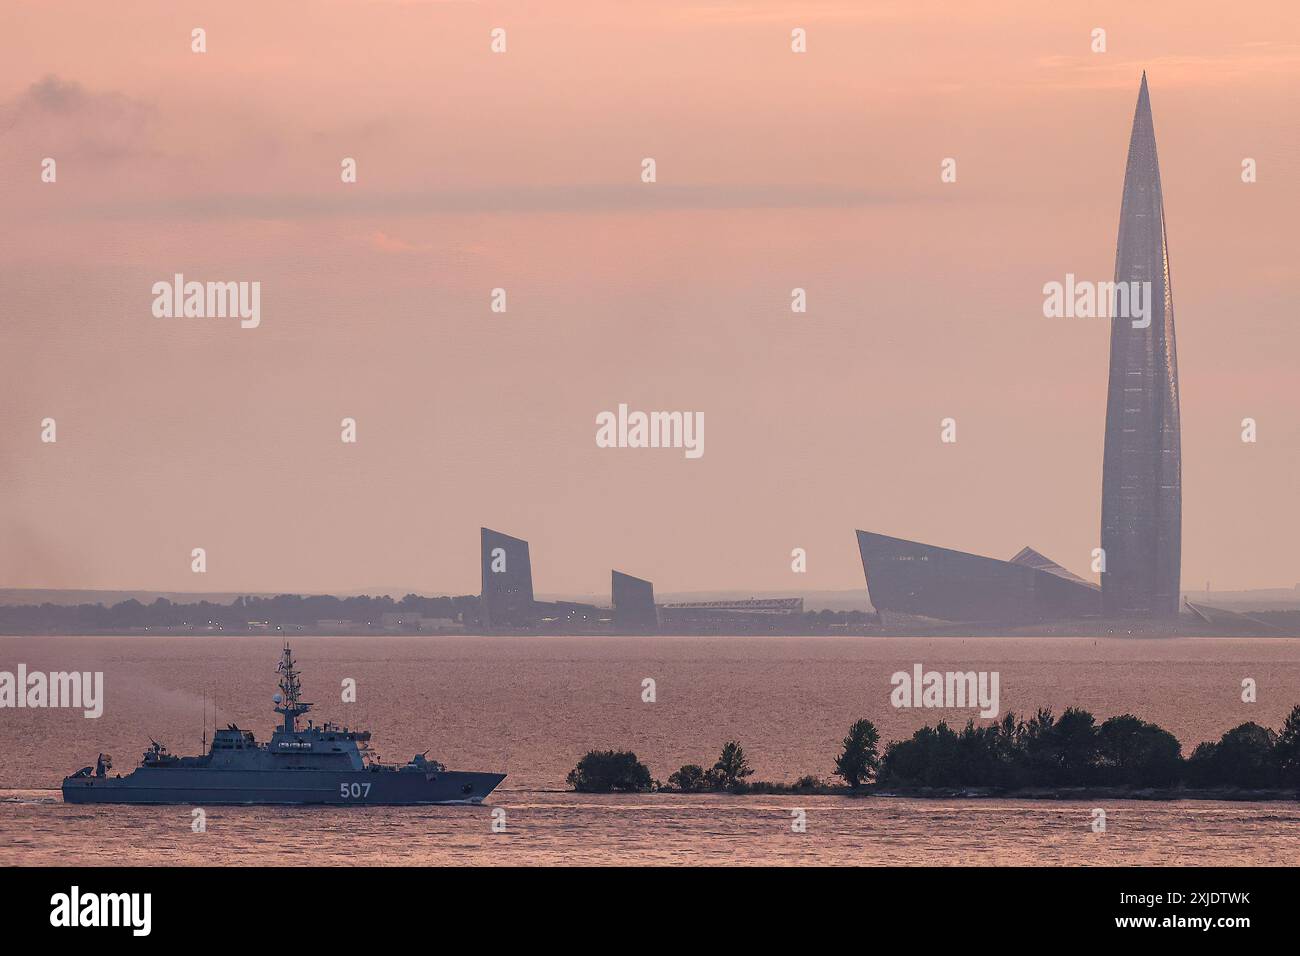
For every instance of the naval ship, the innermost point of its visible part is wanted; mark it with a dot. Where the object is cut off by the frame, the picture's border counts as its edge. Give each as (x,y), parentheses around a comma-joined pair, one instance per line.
(328,764)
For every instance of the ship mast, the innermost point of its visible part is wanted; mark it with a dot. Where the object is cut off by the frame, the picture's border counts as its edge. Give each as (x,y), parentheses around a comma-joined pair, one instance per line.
(292,706)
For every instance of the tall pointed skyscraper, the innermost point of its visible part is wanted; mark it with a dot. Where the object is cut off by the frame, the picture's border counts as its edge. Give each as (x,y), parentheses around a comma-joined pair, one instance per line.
(1141,491)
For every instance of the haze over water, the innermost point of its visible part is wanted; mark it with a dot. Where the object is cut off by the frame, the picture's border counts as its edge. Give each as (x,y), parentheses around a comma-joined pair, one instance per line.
(531,706)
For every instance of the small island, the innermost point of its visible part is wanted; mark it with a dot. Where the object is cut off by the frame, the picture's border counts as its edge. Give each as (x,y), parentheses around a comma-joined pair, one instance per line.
(1041,756)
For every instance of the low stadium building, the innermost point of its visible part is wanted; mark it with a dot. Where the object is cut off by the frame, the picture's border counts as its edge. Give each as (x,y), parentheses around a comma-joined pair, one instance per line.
(745,616)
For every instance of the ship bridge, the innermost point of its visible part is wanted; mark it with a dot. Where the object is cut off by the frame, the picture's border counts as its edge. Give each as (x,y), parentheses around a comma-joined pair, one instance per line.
(233,738)
(326,747)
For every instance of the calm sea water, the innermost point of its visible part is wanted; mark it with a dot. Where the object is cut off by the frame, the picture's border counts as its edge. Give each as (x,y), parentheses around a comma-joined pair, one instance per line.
(531,706)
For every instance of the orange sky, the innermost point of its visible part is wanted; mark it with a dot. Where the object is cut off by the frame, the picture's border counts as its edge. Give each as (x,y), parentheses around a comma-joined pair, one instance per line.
(521,170)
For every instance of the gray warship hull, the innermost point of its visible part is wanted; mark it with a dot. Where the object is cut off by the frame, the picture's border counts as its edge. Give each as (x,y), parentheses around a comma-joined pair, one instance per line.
(197,786)
(324,765)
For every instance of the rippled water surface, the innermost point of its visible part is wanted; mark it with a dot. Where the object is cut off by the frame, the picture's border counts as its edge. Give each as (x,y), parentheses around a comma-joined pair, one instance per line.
(531,706)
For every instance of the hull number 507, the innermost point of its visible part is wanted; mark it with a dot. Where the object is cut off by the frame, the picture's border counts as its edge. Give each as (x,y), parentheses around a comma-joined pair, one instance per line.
(354,791)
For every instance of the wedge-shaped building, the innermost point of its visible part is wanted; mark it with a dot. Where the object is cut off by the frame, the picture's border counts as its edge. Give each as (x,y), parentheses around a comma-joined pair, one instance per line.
(914,578)
(507,595)
(507,602)
(634,603)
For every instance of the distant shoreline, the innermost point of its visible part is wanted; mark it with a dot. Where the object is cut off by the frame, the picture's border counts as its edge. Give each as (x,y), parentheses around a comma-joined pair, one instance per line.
(366,616)
(1046,633)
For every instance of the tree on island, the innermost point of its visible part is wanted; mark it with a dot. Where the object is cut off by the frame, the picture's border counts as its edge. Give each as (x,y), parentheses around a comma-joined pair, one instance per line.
(861,758)
(610,771)
(1286,750)
(691,778)
(1135,753)
(1243,757)
(732,768)
(1041,751)
(1061,751)
(929,758)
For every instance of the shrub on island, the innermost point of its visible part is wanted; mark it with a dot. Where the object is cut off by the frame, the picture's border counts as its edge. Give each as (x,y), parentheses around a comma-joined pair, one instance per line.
(809,783)
(610,771)
(728,773)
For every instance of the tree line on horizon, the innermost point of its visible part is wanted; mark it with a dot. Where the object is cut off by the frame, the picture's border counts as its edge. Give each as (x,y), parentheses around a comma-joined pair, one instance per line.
(283,610)
(1014,753)
(296,611)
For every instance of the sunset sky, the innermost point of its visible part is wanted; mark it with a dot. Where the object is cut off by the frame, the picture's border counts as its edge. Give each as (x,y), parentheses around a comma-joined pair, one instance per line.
(521,170)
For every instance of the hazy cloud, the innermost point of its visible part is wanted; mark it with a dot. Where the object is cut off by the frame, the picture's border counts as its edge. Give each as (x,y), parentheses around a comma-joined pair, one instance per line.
(62,116)
(509,200)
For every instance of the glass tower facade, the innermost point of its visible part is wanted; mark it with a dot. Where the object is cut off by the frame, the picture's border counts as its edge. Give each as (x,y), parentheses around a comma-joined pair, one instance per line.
(1141,496)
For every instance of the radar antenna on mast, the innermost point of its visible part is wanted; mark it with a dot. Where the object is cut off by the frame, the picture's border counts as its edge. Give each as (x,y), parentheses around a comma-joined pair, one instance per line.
(292,707)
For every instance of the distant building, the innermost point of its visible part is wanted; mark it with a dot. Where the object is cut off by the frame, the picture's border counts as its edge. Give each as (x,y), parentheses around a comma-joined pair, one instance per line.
(634,603)
(507,595)
(331,625)
(573,615)
(1141,496)
(915,578)
(1229,622)
(438,625)
(1141,488)
(397,620)
(507,599)
(754,615)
